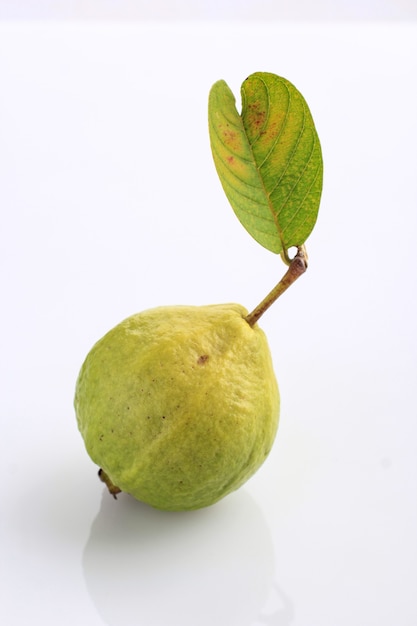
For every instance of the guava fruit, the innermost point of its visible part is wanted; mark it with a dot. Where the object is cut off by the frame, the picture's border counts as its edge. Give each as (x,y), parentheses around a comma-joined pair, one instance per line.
(179,405)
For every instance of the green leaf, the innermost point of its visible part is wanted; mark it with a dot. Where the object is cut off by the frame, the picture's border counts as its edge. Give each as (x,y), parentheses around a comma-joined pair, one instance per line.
(268,159)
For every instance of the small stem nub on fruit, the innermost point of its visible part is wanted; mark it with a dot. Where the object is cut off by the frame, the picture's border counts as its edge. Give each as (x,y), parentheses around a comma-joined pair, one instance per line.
(297,267)
(113,490)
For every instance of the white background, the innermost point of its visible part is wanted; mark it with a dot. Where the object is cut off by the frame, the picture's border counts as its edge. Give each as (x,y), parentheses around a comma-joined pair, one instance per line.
(173,10)
(109,205)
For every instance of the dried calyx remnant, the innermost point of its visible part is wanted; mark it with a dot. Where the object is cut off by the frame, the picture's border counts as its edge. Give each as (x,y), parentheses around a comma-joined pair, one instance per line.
(106,480)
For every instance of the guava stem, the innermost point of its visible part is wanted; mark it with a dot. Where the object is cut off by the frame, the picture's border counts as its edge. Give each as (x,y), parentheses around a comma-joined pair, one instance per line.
(297,267)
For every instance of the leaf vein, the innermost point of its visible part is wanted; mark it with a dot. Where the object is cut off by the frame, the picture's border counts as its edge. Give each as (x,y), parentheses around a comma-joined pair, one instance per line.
(283,126)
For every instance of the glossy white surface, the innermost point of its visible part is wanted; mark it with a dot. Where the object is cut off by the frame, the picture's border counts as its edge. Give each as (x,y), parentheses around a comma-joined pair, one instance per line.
(208,9)
(110,204)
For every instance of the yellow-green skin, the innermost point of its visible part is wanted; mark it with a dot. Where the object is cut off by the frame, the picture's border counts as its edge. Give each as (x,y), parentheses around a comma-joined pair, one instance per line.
(179,405)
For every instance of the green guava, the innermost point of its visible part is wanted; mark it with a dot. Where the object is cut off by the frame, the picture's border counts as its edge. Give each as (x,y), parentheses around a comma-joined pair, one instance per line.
(179,405)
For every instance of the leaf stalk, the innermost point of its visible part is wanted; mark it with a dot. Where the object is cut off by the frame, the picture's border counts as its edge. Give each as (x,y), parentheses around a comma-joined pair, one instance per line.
(297,267)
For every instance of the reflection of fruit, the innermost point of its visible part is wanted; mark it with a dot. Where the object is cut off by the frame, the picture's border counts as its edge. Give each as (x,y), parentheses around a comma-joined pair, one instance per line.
(212,567)
(179,405)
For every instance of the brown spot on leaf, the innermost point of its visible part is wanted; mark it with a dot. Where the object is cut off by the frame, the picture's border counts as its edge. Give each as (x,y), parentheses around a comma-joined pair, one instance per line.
(229,135)
(202,359)
(230,138)
(256,114)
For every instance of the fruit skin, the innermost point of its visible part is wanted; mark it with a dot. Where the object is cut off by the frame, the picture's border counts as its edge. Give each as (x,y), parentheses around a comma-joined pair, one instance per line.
(179,405)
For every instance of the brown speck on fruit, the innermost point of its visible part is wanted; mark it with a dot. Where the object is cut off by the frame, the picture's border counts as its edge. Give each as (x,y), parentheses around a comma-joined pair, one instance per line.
(202,359)
(113,490)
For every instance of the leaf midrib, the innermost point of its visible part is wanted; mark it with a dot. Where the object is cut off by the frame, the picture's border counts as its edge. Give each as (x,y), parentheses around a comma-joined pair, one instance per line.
(258,168)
